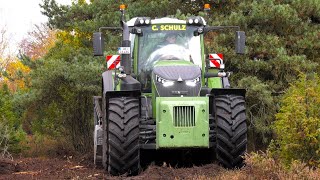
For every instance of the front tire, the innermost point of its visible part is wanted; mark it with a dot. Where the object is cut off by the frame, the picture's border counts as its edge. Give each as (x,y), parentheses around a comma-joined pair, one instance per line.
(122,144)
(231,136)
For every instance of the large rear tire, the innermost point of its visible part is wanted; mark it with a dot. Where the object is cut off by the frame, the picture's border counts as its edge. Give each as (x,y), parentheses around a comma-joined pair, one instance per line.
(122,144)
(231,136)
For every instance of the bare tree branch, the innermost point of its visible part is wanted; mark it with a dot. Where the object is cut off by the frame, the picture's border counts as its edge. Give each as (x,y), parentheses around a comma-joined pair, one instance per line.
(4,140)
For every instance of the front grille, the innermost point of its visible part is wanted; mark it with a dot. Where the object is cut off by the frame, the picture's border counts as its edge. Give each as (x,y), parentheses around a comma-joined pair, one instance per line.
(184,116)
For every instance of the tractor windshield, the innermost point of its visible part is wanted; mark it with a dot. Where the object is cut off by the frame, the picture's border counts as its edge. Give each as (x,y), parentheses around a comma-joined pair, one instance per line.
(168,42)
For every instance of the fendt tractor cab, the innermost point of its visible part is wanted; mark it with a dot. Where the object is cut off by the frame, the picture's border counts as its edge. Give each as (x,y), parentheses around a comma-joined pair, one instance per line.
(163,92)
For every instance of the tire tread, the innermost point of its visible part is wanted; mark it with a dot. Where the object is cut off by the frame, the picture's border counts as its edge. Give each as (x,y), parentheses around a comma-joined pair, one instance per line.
(231,130)
(123,136)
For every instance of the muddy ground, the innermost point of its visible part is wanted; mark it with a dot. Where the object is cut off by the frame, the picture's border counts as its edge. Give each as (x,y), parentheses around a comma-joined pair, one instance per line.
(69,168)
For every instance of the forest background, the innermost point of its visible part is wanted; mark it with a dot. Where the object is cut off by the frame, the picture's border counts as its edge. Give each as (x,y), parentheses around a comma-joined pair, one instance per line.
(46,89)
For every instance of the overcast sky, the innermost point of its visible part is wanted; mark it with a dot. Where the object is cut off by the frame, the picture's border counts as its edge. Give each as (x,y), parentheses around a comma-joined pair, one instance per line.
(19,17)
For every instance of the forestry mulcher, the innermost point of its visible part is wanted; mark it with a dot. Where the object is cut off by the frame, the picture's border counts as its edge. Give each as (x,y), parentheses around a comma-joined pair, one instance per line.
(163,93)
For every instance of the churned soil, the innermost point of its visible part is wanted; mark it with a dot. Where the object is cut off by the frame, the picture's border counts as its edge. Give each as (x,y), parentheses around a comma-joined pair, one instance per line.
(69,168)
(48,168)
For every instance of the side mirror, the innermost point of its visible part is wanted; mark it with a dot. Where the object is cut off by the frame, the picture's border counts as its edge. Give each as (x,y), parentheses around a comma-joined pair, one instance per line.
(240,42)
(199,31)
(98,44)
(137,31)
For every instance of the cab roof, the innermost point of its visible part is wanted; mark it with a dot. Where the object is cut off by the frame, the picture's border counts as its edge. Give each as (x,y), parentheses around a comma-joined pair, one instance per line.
(164,20)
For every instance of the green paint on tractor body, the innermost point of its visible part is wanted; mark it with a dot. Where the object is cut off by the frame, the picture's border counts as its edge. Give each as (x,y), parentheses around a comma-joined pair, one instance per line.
(173,63)
(161,96)
(182,122)
(165,63)
(214,82)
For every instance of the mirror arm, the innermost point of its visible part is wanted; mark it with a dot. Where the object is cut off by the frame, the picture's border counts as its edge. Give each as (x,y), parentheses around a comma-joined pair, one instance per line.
(137,31)
(216,28)
(240,36)
(205,30)
(109,28)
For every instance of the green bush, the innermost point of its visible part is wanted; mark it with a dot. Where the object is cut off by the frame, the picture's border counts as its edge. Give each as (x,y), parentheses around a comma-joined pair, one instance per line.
(11,133)
(4,141)
(297,125)
(260,111)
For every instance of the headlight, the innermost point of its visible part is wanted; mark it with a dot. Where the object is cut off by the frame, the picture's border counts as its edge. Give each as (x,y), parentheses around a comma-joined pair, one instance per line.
(196,21)
(163,81)
(193,82)
(142,21)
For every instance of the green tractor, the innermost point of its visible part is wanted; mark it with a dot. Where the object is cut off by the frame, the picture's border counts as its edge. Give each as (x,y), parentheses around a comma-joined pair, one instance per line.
(161,94)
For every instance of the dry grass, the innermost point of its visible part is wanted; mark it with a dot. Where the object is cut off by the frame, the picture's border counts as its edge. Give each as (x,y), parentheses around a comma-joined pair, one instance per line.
(262,166)
(259,166)
(45,146)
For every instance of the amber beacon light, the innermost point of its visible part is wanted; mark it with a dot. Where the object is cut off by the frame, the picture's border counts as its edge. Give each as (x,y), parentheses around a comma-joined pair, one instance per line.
(122,7)
(207,7)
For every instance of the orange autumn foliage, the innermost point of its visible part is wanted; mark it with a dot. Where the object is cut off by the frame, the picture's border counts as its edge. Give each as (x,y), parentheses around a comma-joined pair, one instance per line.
(15,77)
(35,46)
(38,42)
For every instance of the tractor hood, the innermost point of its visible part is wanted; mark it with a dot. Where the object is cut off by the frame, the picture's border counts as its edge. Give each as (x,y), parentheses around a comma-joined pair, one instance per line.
(176,78)
(174,72)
